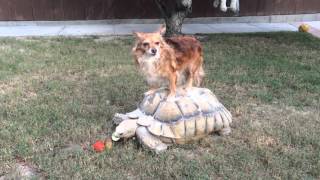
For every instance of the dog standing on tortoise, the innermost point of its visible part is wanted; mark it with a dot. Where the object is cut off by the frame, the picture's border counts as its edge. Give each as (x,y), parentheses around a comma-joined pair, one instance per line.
(171,62)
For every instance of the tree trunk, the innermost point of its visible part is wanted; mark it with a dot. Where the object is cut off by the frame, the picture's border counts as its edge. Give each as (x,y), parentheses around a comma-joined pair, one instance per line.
(174,14)
(174,24)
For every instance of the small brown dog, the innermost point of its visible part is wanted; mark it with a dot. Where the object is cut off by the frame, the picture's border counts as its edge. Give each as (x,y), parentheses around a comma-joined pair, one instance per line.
(167,62)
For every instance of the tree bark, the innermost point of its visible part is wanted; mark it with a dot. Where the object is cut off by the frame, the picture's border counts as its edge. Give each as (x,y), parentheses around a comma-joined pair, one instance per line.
(174,14)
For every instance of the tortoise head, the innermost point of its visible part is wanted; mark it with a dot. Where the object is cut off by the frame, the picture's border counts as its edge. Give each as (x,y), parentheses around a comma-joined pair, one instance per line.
(126,129)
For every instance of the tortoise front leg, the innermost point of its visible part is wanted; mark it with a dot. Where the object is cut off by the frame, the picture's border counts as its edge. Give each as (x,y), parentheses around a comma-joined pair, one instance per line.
(150,140)
(224,131)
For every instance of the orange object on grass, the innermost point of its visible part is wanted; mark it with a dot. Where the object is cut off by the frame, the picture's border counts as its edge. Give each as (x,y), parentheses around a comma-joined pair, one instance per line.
(98,146)
(108,143)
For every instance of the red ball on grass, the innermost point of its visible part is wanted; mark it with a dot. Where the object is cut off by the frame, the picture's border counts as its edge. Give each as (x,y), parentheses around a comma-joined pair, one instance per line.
(99,146)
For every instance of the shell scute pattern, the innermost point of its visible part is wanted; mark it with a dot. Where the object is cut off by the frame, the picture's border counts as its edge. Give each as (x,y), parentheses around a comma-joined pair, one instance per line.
(187,117)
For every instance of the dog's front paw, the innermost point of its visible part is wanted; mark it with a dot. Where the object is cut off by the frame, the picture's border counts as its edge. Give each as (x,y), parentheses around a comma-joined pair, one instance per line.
(171,97)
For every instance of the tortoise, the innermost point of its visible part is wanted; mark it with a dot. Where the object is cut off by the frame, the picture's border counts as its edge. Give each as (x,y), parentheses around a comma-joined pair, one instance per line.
(159,122)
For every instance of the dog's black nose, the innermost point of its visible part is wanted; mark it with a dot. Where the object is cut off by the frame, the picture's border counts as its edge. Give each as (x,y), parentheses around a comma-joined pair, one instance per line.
(153,51)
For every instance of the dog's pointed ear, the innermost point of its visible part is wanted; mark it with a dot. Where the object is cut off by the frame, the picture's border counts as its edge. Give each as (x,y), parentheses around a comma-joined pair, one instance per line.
(138,34)
(162,29)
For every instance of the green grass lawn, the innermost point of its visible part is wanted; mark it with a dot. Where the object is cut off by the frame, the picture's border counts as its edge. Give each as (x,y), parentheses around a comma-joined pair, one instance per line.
(56,92)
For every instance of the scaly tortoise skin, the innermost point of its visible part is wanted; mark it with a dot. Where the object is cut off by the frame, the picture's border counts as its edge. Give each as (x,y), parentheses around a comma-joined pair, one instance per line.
(190,116)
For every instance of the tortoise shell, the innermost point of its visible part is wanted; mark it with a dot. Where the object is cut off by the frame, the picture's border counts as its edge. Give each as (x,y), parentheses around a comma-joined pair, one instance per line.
(190,116)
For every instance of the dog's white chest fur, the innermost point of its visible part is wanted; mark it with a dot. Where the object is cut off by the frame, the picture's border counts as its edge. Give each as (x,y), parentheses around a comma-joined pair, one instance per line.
(148,66)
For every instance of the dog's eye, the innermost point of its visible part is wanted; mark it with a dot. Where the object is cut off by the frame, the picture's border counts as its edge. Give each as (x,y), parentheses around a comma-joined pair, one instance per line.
(157,43)
(145,44)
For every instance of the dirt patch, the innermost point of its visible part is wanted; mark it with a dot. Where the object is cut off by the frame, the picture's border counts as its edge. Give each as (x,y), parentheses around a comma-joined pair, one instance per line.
(21,86)
(266,141)
(287,112)
(22,170)
(270,126)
